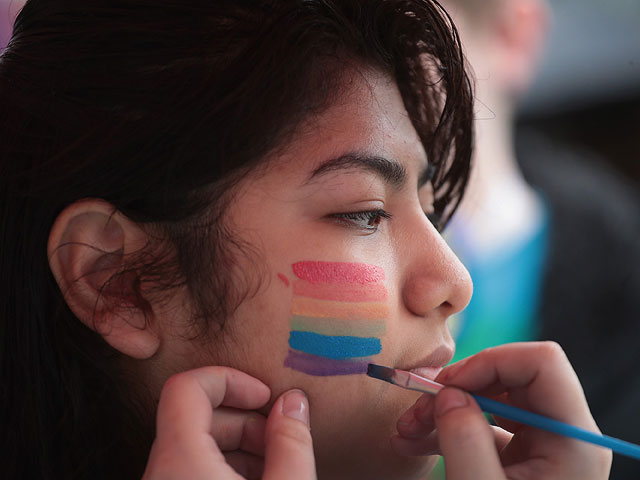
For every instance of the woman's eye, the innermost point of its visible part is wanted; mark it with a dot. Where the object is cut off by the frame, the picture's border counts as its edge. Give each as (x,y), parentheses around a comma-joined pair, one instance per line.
(367,220)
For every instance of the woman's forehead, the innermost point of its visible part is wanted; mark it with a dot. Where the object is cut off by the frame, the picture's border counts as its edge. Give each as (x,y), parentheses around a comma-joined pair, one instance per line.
(367,118)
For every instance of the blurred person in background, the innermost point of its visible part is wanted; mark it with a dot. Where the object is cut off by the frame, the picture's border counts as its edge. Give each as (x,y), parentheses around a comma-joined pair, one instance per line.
(550,235)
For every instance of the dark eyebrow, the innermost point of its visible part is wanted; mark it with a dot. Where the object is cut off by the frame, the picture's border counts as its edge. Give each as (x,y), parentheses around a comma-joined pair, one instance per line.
(390,171)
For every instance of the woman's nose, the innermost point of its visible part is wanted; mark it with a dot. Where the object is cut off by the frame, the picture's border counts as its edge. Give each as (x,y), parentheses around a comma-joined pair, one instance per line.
(436,283)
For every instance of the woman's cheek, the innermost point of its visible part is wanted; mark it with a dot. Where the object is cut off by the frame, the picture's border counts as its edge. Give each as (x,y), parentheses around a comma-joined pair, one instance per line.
(337,317)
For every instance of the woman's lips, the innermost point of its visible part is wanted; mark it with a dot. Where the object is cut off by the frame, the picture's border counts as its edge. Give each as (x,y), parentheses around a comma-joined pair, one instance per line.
(430,366)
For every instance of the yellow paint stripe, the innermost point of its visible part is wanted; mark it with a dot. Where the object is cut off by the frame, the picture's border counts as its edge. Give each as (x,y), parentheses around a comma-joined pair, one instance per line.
(310,307)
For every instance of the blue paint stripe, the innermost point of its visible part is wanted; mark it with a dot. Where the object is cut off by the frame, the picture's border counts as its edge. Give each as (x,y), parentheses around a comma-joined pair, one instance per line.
(330,346)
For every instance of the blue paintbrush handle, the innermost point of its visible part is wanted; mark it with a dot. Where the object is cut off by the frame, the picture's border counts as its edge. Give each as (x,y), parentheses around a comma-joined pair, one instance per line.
(544,423)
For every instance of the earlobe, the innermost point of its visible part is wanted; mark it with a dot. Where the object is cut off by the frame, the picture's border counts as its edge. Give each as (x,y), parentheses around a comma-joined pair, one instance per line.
(89,244)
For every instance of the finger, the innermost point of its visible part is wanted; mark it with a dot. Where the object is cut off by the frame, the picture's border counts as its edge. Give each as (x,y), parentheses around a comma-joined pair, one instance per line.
(289,449)
(245,464)
(532,373)
(466,439)
(188,399)
(429,444)
(506,424)
(538,377)
(510,426)
(417,422)
(184,446)
(416,427)
(416,436)
(234,429)
(502,437)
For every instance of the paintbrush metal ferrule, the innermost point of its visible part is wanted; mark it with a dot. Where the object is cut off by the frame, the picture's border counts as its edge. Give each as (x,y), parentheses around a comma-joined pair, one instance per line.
(411,381)
(418,383)
(404,379)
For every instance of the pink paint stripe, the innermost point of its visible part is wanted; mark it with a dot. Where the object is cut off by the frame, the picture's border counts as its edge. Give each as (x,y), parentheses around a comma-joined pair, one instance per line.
(342,292)
(338,272)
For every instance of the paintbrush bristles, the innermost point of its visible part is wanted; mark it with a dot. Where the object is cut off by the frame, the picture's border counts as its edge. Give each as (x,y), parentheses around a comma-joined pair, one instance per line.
(381,373)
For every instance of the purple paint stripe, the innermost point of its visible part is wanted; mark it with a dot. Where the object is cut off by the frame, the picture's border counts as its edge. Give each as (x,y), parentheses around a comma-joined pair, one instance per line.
(322,366)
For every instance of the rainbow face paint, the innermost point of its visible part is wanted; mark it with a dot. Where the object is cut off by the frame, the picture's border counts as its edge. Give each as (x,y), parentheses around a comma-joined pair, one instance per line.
(338,314)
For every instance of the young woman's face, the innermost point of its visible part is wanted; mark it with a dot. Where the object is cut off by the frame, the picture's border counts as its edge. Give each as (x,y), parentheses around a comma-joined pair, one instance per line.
(342,284)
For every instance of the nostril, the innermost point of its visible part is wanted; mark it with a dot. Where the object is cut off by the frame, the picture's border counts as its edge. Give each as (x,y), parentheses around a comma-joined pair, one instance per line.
(447,308)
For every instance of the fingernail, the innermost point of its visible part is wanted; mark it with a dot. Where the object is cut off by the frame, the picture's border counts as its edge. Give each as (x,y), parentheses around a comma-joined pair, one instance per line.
(449,399)
(295,405)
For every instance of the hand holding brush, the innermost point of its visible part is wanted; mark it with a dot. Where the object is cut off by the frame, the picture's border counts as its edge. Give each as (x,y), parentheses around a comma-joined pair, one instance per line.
(535,377)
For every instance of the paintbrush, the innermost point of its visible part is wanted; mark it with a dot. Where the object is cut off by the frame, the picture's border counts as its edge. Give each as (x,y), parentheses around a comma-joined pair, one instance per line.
(411,381)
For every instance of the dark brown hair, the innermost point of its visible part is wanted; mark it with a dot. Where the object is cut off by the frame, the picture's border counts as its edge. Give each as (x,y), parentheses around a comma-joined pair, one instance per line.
(159,107)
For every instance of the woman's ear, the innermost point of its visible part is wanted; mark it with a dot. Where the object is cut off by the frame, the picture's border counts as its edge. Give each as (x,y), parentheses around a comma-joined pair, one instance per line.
(88,246)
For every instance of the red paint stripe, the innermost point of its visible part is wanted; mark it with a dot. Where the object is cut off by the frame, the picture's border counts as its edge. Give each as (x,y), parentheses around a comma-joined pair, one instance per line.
(342,292)
(338,272)
(284,279)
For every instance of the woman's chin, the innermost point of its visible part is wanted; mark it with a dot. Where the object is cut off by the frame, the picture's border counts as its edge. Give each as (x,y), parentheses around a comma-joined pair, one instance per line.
(378,465)
(364,449)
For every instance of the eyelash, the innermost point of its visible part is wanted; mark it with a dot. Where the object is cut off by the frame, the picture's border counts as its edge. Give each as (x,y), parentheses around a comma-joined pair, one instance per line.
(356,219)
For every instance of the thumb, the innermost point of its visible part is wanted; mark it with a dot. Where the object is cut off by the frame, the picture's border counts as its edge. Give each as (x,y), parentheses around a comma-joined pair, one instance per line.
(289,450)
(466,440)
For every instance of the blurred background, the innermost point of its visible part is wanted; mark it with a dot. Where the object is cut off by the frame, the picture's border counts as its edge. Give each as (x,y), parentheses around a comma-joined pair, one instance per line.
(587,90)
